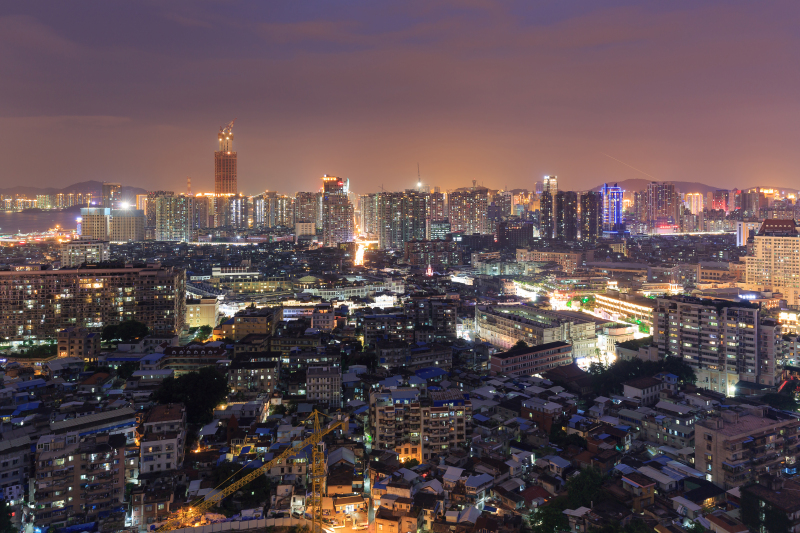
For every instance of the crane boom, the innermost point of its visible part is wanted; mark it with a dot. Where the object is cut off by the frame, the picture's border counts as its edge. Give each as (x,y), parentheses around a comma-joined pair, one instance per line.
(178,518)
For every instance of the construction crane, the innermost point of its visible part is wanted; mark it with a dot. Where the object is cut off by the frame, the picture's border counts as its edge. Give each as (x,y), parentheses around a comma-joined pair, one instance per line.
(184,518)
(227,129)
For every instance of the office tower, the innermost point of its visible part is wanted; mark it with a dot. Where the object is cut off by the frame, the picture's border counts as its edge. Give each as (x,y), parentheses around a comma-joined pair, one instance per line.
(438,206)
(662,203)
(468,210)
(155,296)
(141,202)
(721,200)
(504,201)
(337,219)
(752,202)
(591,216)
(225,162)
(76,253)
(546,215)
(735,199)
(306,208)
(724,342)
(110,192)
(174,217)
(127,225)
(368,211)
(612,208)
(694,201)
(567,215)
(775,263)
(96,223)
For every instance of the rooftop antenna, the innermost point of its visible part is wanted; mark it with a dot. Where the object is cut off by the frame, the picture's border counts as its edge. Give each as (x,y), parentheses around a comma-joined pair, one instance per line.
(419,179)
(189,185)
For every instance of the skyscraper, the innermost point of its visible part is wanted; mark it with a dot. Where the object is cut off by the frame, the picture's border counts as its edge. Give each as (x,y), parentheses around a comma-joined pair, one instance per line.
(591,216)
(468,210)
(110,192)
(402,217)
(612,207)
(127,225)
(96,223)
(567,215)
(662,203)
(174,217)
(225,162)
(546,215)
(775,262)
(368,209)
(550,184)
(337,211)
(694,201)
(306,208)
(720,201)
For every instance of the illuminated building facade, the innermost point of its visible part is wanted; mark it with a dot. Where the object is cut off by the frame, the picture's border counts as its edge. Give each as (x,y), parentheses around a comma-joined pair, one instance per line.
(225,163)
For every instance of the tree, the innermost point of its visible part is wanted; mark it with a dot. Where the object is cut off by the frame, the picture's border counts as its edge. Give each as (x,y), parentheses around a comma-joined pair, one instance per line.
(694,527)
(585,488)
(253,494)
(410,463)
(550,518)
(780,401)
(277,410)
(126,370)
(203,333)
(199,391)
(5,518)
(125,331)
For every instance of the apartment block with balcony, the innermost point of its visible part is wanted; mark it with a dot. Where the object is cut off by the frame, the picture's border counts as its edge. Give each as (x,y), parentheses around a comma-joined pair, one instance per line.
(419,428)
(77,478)
(80,343)
(739,445)
(324,385)
(725,342)
(162,439)
(670,424)
(253,376)
(396,354)
(531,360)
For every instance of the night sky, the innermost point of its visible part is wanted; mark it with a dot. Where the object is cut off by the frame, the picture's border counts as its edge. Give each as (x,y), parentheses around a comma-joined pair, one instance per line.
(499,92)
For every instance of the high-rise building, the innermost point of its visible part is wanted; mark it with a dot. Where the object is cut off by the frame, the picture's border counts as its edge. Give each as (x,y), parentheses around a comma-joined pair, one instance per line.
(775,263)
(150,207)
(662,203)
(591,216)
(435,253)
(225,162)
(306,208)
(567,215)
(437,229)
(174,218)
(721,200)
(203,211)
(612,207)
(402,217)
(96,223)
(337,212)
(110,192)
(550,184)
(155,296)
(238,211)
(726,343)
(546,215)
(468,209)
(127,225)
(513,232)
(368,210)
(694,201)
(438,211)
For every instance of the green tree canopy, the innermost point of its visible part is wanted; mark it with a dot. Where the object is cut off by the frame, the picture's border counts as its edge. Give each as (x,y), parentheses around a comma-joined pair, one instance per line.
(199,391)
(127,331)
(126,370)
(203,333)
(6,526)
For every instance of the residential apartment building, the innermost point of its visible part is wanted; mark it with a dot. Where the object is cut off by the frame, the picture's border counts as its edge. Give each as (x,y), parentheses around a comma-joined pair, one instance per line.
(396,354)
(568,260)
(192,357)
(435,253)
(738,445)
(253,376)
(725,342)
(669,424)
(91,298)
(80,343)
(531,360)
(77,478)
(202,312)
(505,325)
(15,468)
(395,326)
(151,503)
(416,427)
(625,308)
(76,253)
(775,263)
(162,438)
(324,385)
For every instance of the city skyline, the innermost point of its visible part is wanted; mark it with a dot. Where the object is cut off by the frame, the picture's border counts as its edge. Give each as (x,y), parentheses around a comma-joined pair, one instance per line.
(584,109)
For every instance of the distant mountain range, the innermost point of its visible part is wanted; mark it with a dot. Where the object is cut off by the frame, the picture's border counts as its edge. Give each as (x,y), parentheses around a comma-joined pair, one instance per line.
(680,186)
(84,187)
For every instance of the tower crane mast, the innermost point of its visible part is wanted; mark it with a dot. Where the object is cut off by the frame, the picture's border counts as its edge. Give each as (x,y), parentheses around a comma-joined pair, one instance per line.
(181,518)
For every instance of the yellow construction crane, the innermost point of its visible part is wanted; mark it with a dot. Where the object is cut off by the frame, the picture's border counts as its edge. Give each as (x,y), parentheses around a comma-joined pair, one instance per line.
(184,517)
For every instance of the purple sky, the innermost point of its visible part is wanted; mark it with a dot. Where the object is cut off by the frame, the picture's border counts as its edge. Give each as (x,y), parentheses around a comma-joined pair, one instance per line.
(500,92)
